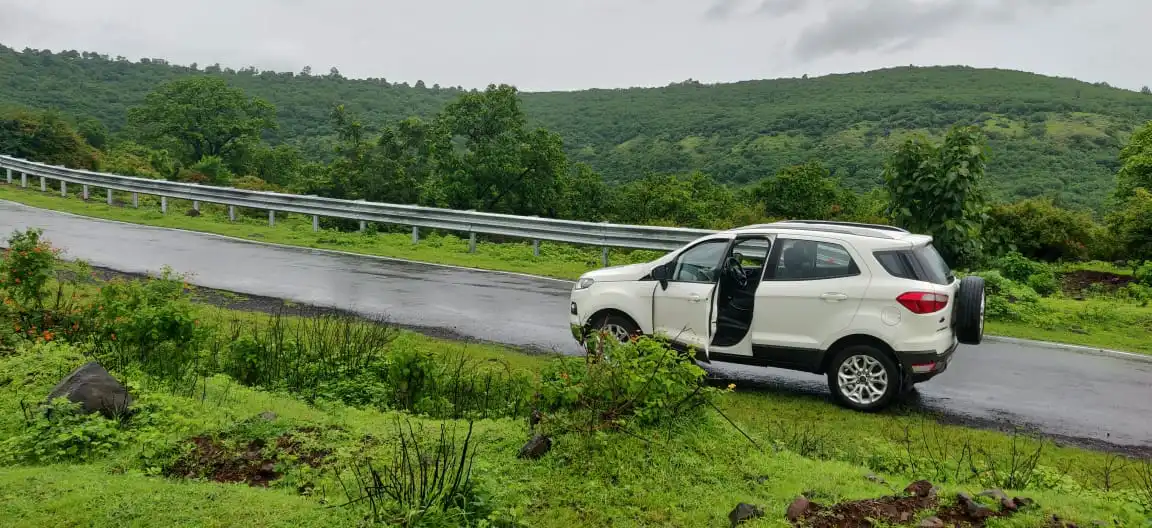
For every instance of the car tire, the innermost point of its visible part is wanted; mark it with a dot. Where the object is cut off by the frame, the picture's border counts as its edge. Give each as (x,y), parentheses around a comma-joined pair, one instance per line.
(969,311)
(618,325)
(857,372)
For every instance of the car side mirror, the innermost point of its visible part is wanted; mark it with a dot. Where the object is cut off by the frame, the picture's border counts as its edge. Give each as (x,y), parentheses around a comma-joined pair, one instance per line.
(661,273)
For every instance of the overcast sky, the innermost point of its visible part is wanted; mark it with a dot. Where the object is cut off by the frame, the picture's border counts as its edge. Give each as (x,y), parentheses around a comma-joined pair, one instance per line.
(554,45)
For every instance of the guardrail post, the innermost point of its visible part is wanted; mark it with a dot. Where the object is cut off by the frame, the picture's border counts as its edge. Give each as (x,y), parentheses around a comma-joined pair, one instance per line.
(315,223)
(163,204)
(196,205)
(271,218)
(43,184)
(24,180)
(231,213)
(9,176)
(63,188)
(109,196)
(135,200)
(363,226)
(84,192)
(415,235)
(471,242)
(535,247)
(604,256)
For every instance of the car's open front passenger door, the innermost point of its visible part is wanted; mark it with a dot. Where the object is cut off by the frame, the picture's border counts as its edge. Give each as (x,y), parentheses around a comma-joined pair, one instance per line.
(683,305)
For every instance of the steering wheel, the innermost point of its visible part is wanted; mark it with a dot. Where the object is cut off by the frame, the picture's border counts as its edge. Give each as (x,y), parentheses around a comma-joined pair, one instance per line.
(737,271)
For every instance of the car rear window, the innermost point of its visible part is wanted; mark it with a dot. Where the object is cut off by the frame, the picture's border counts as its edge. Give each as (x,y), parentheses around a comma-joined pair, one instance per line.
(922,263)
(934,267)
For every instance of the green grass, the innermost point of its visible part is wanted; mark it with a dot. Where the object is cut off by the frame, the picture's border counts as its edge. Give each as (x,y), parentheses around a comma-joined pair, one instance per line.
(688,473)
(691,474)
(1065,321)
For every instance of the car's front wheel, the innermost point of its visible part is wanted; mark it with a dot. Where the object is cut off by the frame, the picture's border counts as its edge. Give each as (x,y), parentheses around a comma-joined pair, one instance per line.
(615,325)
(864,378)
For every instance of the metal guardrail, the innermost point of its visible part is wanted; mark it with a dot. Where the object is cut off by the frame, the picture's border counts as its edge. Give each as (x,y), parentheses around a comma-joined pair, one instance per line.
(603,235)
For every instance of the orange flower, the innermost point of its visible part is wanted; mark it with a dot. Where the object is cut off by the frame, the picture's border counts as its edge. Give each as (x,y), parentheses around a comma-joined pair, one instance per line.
(48,335)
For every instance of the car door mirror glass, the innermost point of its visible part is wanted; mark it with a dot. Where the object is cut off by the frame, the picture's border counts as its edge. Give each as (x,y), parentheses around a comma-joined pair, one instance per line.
(660,272)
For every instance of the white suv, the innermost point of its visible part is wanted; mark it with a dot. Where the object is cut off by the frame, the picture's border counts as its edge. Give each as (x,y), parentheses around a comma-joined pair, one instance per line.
(874,307)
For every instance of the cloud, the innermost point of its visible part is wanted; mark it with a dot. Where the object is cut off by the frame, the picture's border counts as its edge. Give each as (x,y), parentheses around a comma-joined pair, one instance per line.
(853,26)
(721,9)
(781,7)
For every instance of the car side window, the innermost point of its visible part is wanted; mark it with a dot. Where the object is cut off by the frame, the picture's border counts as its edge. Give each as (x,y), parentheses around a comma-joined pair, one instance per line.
(795,260)
(700,262)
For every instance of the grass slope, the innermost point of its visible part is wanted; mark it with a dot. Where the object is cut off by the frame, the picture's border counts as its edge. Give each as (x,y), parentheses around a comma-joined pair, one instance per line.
(1057,134)
(682,474)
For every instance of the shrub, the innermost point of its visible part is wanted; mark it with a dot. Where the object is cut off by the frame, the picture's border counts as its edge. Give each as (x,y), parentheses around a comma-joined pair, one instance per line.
(1131,226)
(615,384)
(62,434)
(1008,300)
(1040,230)
(1018,268)
(148,324)
(1044,282)
(1143,274)
(28,265)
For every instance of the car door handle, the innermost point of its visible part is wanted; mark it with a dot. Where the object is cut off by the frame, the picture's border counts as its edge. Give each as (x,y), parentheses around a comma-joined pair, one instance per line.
(695,298)
(834,297)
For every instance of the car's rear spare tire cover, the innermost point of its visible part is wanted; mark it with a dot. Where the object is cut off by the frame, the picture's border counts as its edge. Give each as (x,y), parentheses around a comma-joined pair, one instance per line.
(969,311)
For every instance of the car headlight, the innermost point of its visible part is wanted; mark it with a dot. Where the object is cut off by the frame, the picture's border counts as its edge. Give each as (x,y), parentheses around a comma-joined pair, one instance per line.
(585,283)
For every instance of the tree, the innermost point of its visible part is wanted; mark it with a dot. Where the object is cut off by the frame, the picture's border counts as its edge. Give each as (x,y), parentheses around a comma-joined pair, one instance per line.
(1146,90)
(203,116)
(802,192)
(44,137)
(487,159)
(1131,226)
(938,190)
(1135,163)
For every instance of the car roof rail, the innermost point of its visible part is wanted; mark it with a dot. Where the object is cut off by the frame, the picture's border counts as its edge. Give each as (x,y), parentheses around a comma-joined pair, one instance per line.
(881,227)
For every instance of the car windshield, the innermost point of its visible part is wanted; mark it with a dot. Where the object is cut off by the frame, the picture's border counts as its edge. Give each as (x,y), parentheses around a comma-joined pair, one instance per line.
(934,265)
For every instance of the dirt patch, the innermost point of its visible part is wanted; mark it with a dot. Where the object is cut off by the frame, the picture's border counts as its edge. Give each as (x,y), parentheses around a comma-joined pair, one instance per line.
(1076,282)
(919,504)
(256,463)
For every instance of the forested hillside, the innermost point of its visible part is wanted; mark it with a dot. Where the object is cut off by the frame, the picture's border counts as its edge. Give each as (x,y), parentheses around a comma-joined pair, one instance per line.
(1047,136)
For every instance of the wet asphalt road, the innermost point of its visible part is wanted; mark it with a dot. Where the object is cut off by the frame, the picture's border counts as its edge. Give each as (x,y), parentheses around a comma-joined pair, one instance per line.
(1090,399)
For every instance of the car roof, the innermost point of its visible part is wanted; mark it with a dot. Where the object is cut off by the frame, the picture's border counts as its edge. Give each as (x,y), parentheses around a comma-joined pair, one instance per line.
(876,232)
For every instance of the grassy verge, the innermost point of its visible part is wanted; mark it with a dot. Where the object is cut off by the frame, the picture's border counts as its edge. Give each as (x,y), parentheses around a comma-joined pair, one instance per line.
(304,452)
(1099,321)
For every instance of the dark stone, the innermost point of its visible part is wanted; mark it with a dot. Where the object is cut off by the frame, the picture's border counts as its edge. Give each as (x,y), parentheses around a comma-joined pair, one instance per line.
(972,508)
(268,416)
(744,512)
(799,509)
(1008,505)
(995,494)
(95,390)
(193,213)
(1023,502)
(876,478)
(920,488)
(537,447)
(931,522)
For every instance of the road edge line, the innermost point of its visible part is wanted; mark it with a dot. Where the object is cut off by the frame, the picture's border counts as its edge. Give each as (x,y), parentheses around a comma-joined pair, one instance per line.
(1083,349)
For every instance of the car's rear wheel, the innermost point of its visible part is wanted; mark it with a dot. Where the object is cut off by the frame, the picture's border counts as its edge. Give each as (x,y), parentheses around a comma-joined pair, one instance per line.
(864,378)
(969,310)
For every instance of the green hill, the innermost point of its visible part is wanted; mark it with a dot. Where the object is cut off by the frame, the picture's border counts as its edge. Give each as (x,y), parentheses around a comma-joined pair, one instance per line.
(1048,136)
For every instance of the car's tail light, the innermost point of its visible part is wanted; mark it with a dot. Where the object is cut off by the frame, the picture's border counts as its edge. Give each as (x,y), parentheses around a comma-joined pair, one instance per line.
(923,302)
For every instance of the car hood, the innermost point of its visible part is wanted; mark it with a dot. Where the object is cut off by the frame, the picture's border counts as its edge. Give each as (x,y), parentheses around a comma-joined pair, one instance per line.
(628,272)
